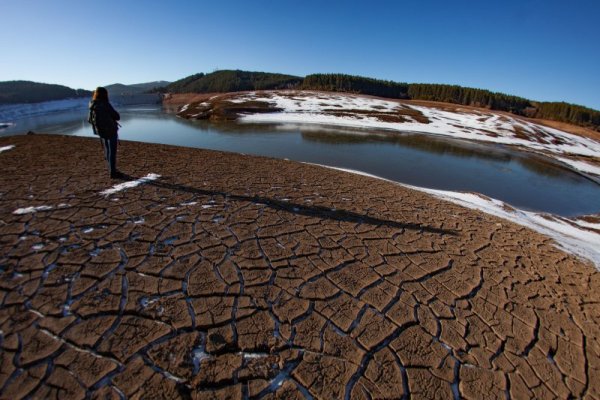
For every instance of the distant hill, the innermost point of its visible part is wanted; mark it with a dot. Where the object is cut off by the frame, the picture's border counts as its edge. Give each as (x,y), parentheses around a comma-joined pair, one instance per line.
(34,92)
(233,81)
(137,88)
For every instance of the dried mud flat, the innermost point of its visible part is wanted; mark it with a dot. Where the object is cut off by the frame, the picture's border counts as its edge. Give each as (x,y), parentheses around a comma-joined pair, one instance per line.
(245,277)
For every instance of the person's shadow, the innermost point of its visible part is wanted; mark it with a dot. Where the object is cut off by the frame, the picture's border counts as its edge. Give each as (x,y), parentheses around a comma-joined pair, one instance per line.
(300,209)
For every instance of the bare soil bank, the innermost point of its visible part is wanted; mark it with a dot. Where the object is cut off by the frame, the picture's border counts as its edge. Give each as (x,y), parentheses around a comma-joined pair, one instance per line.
(246,277)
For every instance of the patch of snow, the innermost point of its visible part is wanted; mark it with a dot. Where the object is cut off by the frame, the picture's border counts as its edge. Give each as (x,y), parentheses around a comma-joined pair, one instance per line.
(6,148)
(189,203)
(586,224)
(579,241)
(130,184)
(581,166)
(253,355)
(31,210)
(147,301)
(172,377)
(185,107)
(38,246)
(197,356)
(236,100)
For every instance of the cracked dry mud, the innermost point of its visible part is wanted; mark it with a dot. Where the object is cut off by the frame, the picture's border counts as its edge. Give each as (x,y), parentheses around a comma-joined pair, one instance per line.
(245,277)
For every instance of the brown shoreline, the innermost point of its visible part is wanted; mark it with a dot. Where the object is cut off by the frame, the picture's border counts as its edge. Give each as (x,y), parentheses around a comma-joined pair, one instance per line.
(266,269)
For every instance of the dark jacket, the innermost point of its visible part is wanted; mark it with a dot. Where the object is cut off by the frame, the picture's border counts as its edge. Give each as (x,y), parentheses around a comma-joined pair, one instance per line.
(103,118)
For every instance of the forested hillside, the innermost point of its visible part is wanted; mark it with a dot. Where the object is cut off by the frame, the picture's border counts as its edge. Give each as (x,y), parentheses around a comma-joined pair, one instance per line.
(136,88)
(566,112)
(233,81)
(34,92)
(355,84)
(468,96)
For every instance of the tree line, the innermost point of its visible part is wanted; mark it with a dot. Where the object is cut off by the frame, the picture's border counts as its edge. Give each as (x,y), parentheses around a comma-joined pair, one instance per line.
(468,96)
(233,81)
(565,112)
(355,84)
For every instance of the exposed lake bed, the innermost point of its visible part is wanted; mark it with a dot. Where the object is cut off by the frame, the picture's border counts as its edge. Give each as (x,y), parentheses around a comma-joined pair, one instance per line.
(195,244)
(206,259)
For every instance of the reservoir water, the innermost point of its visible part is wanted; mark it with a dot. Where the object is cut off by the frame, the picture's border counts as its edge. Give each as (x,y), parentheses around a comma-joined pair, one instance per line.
(521,179)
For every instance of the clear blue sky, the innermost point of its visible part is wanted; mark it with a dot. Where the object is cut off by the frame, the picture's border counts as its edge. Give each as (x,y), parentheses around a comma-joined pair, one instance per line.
(543,50)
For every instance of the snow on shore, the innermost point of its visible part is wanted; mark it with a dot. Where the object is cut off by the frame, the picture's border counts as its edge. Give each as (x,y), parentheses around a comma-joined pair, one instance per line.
(31,210)
(581,166)
(573,236)
(6,148)
(129,184)
(325,109)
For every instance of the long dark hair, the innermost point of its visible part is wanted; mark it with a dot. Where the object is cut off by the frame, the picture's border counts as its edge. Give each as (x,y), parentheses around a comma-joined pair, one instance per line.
(100,94)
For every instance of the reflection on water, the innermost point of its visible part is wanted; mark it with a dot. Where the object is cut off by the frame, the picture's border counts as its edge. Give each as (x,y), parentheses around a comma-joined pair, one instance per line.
(521,179)
(444,146)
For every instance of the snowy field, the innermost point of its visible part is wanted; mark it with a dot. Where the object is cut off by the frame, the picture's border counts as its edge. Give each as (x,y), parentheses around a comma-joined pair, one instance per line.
(341,110)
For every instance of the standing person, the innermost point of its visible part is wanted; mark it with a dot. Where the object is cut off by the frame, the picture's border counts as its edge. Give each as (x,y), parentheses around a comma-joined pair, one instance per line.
(103,118)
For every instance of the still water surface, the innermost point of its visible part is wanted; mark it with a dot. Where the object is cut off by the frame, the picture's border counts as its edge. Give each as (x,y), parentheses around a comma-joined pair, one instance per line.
(523,180)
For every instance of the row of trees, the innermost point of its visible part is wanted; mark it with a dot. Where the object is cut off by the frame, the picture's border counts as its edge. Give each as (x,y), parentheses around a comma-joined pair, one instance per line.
(33,92)
(355,84)
(233,81)
(566,112)
(468,96)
